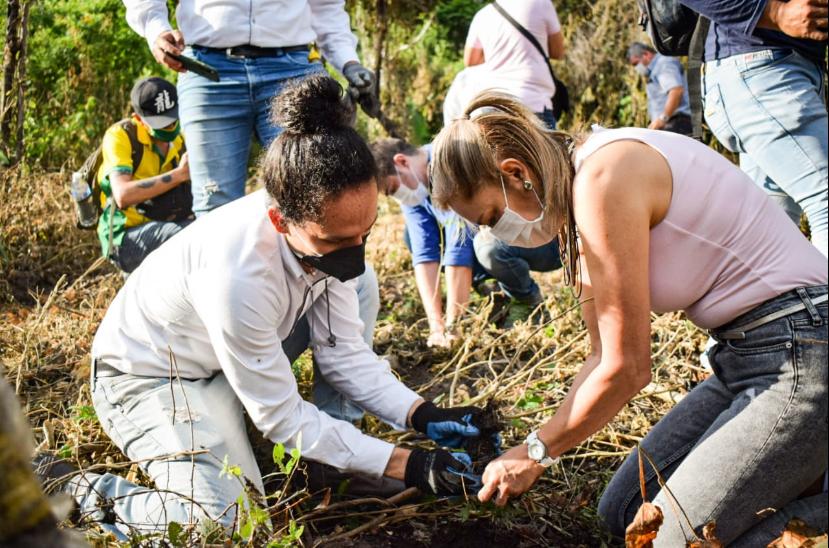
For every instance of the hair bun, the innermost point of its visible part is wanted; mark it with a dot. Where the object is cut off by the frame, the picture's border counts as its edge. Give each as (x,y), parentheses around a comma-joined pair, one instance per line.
(314,104)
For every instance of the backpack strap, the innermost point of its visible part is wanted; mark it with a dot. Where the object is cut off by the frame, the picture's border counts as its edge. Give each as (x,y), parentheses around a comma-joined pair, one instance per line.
(136,148)
(696,51)
(527,34)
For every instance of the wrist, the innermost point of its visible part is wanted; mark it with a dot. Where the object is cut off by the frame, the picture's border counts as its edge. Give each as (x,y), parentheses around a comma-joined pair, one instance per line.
(396,467)
(664,117)
(421,415)
(412,409)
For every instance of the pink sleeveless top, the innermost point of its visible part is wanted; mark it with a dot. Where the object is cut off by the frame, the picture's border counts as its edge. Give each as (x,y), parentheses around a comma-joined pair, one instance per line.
(723,246)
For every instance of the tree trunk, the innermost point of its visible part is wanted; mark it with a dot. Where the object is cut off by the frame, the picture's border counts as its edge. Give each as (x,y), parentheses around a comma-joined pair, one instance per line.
(21,79)
(10,51)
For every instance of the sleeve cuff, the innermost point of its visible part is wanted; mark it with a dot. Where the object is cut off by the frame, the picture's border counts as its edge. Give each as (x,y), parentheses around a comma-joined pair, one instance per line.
(154,28)
(119,169)
(341,56)
(373,456)
(406,398)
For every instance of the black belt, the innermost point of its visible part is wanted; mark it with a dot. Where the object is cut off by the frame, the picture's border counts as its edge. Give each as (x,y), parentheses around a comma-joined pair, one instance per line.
(252,52)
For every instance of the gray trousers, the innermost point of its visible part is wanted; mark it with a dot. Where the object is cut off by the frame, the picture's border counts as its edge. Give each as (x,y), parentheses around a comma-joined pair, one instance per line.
(748,439)
(159,423)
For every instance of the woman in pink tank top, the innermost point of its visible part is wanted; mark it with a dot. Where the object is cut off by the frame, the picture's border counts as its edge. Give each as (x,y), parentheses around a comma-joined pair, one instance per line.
(653,221)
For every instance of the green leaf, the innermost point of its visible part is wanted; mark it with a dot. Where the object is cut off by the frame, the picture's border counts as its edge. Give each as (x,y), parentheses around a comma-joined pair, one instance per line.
(246,530)
(175,534)
(279,454)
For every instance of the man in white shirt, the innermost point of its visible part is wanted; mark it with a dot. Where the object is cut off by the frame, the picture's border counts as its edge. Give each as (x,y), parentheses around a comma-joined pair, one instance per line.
(255,47)
(200,331)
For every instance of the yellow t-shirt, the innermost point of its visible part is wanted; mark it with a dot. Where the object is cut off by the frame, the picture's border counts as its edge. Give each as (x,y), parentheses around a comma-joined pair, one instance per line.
(116,153)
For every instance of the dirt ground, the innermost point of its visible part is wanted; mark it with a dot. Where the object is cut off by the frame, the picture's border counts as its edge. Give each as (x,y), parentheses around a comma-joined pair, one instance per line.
(54,291)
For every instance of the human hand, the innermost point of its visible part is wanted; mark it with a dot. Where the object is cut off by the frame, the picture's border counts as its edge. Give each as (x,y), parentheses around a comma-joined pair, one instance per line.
(800,18)
(658,123)
(446,426)
(170,41)
(511,474)
(439,472)
(438,339)
(363,87)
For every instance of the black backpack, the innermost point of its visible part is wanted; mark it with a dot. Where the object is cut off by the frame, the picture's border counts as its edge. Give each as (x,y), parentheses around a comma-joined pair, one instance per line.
(677,30)
(669,24)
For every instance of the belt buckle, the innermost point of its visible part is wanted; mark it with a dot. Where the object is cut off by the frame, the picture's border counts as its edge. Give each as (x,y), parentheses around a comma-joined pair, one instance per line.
(230,54)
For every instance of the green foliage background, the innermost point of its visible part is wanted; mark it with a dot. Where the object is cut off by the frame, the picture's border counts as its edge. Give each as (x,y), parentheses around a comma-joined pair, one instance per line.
(83,59)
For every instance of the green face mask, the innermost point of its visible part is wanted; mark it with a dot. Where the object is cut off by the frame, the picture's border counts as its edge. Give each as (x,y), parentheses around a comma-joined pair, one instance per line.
(166,135)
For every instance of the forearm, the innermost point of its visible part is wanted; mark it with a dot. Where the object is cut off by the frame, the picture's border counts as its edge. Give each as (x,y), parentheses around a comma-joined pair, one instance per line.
(427,277)
(129,192)
(594,399)
(458,284)
(674,99)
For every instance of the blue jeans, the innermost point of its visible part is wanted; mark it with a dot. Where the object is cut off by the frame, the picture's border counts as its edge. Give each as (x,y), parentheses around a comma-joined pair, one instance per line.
(325,397)
(511,265)
(139,241)
(547,117)
(752,436)
(220,118)
(768,106)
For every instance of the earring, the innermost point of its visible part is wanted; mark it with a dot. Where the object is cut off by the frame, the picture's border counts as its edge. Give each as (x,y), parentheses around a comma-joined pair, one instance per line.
(528,185)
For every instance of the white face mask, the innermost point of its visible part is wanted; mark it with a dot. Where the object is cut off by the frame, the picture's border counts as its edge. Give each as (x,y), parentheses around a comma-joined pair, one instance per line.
(513,229)
(409,196)
(642,69)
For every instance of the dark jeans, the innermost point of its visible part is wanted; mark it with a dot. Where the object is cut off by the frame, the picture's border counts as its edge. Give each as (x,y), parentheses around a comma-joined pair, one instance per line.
(679,123)
(752,436)
(140,241)
(511,265)
(547,117)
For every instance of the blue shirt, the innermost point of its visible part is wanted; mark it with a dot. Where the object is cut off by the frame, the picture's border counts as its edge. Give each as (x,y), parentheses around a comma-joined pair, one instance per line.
(734,31)
(666,73)
(436,235)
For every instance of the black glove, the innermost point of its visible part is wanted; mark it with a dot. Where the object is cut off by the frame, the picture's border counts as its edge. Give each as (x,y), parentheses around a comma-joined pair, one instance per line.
(446,426)
(439,472)
(362,87)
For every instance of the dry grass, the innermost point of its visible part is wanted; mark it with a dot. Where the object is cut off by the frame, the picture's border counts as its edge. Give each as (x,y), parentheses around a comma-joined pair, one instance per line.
(55,291)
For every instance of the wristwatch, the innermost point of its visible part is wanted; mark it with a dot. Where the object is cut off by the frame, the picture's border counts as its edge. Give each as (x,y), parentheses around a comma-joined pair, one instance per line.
(538,451)
(664,117)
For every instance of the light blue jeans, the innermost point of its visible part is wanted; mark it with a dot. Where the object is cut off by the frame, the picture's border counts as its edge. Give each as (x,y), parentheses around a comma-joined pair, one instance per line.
(511,265)
(768,106)
(219,119)
(153,420)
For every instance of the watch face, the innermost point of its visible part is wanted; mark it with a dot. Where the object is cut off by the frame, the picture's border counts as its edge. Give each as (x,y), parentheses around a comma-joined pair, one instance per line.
(536,451)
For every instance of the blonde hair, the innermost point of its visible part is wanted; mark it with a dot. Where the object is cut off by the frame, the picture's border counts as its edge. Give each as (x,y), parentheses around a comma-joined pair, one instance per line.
(497,126)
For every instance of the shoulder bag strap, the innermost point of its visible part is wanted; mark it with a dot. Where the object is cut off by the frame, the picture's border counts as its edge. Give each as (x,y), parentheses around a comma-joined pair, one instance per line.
(528,35)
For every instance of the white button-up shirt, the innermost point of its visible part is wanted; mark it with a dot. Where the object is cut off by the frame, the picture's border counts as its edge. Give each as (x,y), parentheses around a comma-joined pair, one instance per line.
(222,295)
(263,23)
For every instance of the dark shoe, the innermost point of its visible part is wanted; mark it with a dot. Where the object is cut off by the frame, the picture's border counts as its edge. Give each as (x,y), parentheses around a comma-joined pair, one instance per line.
(52,472)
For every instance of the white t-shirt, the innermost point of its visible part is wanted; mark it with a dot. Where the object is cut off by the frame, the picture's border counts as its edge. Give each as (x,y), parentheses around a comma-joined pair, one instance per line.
(514,63)
(222,295)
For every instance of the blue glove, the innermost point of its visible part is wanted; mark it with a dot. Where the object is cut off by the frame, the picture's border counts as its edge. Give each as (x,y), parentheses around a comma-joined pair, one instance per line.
(446,426)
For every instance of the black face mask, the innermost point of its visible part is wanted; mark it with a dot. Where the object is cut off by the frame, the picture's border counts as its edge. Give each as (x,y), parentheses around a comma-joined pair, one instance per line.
(344,264)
